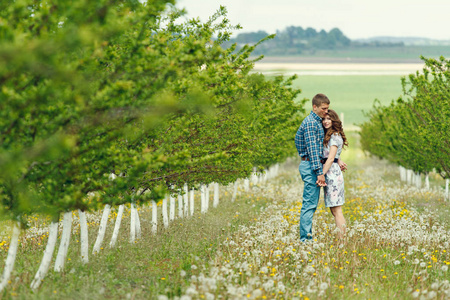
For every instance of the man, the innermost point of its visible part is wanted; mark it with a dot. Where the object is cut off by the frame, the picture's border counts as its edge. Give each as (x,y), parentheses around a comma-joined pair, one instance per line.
(309,143)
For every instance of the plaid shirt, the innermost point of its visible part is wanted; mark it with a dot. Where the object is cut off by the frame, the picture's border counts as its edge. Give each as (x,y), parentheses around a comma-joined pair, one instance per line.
(309,141)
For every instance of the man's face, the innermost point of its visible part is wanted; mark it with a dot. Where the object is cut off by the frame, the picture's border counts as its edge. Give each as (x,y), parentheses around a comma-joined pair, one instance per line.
(321,110)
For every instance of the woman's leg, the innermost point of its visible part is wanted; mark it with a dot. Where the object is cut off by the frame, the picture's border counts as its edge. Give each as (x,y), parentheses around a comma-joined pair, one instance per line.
(339,219)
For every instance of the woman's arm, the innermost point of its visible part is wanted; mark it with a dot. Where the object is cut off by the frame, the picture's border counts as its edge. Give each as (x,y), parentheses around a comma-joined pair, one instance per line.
(330,160)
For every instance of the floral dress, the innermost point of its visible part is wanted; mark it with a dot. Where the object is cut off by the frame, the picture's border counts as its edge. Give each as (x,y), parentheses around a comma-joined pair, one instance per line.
(334,191)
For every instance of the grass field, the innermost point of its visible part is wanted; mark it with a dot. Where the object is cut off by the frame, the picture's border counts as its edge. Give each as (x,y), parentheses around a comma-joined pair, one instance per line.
(411,53)
(351,94)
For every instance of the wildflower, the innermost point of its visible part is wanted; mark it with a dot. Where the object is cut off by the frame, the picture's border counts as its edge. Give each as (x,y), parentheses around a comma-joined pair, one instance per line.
(444,268)
(396,262)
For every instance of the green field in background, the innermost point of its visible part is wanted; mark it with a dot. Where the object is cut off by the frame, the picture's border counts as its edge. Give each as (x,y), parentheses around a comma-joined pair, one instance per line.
(351,94)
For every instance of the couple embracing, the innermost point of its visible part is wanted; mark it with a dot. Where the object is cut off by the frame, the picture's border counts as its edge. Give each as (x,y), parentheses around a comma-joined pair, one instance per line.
(319,142)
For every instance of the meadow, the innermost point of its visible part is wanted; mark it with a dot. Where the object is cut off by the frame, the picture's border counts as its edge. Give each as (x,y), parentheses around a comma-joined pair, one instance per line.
(351,94)
(396,246)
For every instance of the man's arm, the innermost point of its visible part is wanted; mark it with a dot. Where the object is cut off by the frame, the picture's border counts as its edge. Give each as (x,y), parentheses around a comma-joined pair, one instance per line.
(313,149)
(342,165)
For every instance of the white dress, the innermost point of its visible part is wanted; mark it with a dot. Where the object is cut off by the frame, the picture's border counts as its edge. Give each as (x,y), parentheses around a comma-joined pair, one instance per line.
(334,191)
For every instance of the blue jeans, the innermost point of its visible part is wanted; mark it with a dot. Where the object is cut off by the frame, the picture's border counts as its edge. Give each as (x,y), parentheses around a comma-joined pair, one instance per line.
(311,193)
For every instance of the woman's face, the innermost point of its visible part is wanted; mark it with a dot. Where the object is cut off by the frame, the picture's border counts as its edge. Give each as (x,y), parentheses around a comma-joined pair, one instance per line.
(326,122)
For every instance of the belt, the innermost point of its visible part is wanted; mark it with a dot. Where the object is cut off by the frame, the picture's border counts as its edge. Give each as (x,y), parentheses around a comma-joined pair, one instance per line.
(305,158)
(324,160)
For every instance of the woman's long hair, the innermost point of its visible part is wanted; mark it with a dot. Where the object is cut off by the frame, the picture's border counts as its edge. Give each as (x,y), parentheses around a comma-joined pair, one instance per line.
(336,127)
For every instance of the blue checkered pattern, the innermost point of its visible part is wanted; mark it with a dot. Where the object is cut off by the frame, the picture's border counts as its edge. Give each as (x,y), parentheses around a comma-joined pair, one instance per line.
(309,141)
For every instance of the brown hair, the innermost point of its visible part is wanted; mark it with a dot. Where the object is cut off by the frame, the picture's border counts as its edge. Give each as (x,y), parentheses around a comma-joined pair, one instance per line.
(320,99)
(336,127)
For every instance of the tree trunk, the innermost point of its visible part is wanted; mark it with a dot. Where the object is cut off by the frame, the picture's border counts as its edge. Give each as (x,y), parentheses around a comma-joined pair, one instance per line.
(246,184)
(172,208)
(47,258)
(180,206)
(216,194)
(203,198)
(164,212)
(132,224)
(186,200)
(447,195)
(64,244)
(10,260)
(418,180)
(138,223)
(117,224)
(207,196)
(235,188)
(84,239)
(192,202)
(427,182)
(154,217)
(102,229)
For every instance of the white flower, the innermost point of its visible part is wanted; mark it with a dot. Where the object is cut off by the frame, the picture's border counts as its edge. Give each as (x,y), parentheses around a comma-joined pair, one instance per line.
(193,267)
(432,294)
(444,268)
(182,273)
(423,264)
(415,294)
(323,286)
(416,261)
(257,293)
(397,262)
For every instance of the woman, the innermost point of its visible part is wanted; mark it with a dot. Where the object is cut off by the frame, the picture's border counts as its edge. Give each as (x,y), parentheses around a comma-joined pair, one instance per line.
(333,142)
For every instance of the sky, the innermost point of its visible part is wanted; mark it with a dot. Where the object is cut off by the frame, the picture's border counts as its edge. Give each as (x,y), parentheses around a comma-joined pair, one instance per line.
(355,18)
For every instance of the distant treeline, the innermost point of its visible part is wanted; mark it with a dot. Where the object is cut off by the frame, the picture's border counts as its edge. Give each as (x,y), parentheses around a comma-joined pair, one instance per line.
(296,40)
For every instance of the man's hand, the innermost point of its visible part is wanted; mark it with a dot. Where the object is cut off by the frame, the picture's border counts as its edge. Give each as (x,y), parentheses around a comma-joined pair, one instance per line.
(342,165)
(321,180)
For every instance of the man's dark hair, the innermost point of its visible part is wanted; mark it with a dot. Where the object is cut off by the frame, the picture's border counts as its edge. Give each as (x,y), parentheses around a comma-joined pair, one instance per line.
(320,99)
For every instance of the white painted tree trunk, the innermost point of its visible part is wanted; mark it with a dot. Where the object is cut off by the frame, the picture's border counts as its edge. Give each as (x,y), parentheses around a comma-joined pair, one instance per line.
(84,239)
(11,258)
(418,180)
(102,229)
(64,244)
(138,224)
(402,173)
(164,212)
(47,258)
(117,224)
(207,197)
(154,217)
(203,208)
(235,188)
(192,201)
(180,206)
(246,184)
(216,194)
(427,182)
(447,195)
(132,223)
(409,176)
(186,200)
(172,208)
(254,177)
